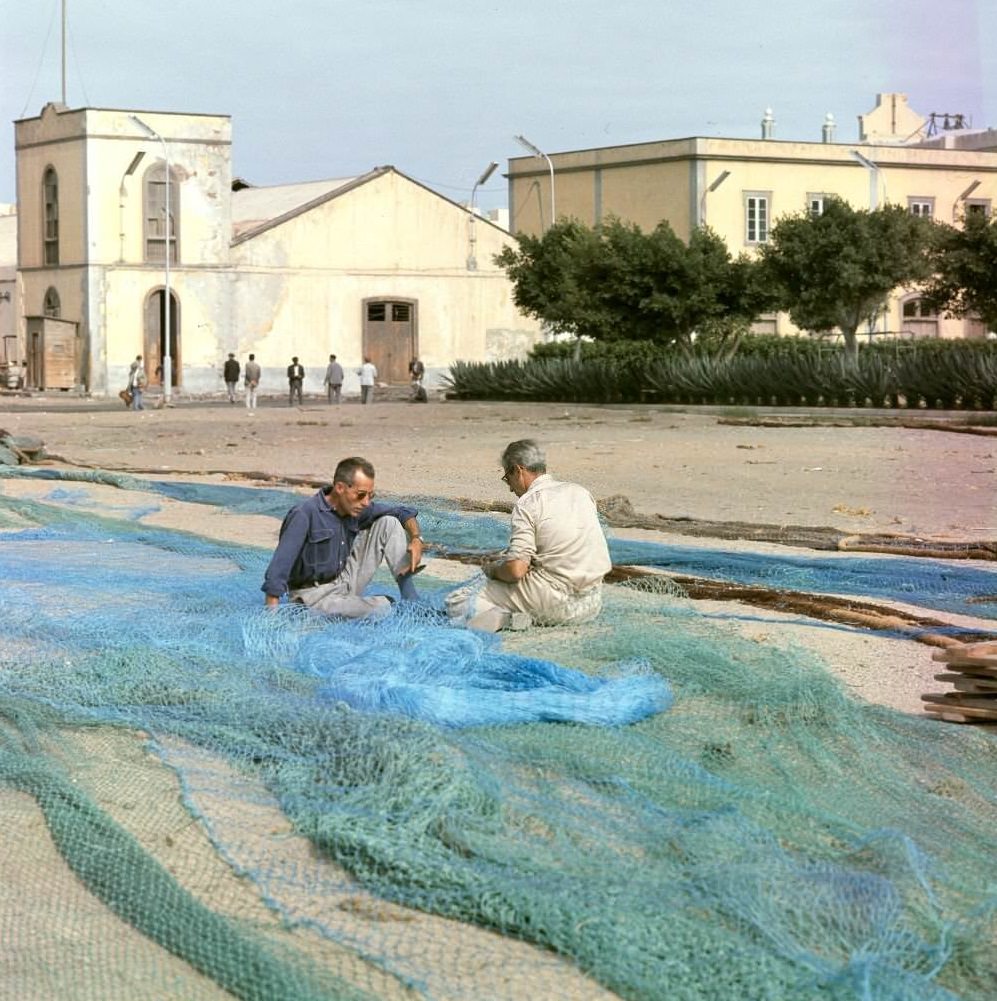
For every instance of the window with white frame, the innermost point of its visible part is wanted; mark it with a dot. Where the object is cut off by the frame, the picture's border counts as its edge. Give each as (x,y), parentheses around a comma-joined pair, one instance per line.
(923,207)
(978,206)
(756,216)
(815,203)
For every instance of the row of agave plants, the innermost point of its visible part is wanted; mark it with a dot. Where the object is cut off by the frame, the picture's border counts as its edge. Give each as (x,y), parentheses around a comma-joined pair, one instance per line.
(911,378)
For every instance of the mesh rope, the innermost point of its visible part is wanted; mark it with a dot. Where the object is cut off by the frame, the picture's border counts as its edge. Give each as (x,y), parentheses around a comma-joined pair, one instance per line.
(205,800)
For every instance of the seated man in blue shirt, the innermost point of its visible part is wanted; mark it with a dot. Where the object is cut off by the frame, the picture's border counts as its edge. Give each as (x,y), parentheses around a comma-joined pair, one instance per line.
(331,544)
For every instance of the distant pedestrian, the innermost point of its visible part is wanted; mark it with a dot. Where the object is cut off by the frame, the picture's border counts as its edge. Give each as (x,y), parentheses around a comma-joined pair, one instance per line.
(136,382)
(334,380)
(231,377)
(295,379)
(417,372)
(368,376)
(252,375)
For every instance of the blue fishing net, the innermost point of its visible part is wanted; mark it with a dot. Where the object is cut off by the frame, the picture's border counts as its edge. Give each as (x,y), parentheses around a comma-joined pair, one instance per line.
(207,800)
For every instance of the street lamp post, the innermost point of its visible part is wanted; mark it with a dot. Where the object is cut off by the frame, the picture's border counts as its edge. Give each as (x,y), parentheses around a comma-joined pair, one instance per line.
(167,360)
(541,155)
(472,260)
(717,181)
(873,169)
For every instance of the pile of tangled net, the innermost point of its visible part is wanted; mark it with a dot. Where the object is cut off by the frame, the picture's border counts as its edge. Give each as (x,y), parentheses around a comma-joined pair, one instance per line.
(203,800)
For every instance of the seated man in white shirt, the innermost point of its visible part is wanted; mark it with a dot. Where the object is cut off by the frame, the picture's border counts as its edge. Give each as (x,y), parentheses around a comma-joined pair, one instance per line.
(551,572)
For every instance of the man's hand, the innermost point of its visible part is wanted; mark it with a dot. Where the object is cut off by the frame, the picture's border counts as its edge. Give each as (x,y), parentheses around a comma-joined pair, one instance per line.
(270,601)
(415,546)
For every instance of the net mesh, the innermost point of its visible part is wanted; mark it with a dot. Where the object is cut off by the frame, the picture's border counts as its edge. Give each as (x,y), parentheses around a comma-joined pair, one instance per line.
(203,800)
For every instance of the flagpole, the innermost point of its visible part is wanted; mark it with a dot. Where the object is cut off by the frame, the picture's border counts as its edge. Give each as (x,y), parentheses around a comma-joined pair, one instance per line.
(63,52)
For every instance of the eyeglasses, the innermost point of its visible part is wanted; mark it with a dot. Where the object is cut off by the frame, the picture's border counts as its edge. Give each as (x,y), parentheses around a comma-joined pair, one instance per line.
(507,474)
(362,494)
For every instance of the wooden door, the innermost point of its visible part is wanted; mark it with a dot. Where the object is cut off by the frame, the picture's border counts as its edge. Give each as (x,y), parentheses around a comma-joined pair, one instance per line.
(389,337)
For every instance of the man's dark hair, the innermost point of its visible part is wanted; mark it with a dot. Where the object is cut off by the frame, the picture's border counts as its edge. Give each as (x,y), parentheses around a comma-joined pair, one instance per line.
(295,358)
(526,453)
(347,469)
(252,357)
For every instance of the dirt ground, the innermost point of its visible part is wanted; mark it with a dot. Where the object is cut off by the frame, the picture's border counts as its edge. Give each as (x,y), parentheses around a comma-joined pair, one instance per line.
(931,484)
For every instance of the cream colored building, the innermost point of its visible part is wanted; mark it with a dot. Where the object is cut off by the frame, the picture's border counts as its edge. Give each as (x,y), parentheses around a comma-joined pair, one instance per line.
(740,187)
(373,265)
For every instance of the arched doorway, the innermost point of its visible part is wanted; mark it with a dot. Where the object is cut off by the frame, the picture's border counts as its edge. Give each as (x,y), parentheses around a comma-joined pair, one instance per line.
(390,336)
(155,340)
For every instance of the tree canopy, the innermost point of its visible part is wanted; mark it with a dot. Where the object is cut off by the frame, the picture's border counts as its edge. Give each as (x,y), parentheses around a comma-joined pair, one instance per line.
(836,269)
(965,265)
(615,282)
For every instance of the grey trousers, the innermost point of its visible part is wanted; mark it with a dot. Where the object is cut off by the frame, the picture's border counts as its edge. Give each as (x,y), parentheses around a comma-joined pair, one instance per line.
(386,541)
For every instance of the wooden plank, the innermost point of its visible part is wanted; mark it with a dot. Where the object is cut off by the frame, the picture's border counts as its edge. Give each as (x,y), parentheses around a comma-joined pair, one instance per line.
(966,704)
(969,683)
(984,653)
(952,716)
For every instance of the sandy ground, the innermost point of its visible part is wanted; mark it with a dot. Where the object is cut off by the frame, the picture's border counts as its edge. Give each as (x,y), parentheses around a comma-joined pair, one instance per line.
(928,483)
(932,484)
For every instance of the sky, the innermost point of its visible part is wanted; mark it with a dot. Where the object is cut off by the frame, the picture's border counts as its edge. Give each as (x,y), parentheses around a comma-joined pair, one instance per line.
(439,88)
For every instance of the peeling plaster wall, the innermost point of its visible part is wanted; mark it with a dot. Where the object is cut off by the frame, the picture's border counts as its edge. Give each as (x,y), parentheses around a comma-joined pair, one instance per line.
(300,286)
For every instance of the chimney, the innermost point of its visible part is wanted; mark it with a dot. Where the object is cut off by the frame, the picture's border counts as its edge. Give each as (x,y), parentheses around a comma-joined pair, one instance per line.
(827,130)
(768,124)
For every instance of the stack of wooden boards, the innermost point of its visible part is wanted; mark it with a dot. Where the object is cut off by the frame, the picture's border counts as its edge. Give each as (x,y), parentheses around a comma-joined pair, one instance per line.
(971,669)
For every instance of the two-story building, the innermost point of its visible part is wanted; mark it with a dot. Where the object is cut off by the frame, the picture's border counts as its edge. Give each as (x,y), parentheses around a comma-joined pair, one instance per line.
(740,187)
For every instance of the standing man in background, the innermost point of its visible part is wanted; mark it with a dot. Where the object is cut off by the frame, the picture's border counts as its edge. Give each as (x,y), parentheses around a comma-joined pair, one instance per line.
(252,382)
(334,380)
(368,376)
(295,379)
(231,373)
(136,382)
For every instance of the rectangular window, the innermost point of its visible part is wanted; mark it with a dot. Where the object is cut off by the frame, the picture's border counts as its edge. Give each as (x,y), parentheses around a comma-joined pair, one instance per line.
(376,312)
(767,323)
(978,206)
(815,204)
(155,222)
(756,216)
(923,207)
(400,312)
(51,239)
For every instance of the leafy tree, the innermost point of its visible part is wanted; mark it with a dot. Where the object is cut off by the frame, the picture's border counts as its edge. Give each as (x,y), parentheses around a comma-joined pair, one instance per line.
(837,269)
(616,282)
(965,264)
(550,278)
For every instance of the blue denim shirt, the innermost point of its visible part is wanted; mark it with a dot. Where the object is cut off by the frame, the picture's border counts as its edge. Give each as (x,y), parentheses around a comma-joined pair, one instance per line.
(315,542)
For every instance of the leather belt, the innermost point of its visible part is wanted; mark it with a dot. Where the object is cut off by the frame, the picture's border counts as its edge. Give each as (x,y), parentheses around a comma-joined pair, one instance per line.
(318,582)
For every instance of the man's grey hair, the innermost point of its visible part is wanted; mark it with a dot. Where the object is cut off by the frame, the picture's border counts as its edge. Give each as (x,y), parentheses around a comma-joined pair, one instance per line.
(526,453)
